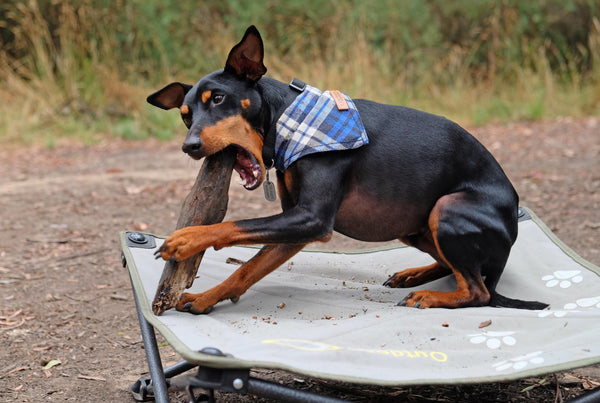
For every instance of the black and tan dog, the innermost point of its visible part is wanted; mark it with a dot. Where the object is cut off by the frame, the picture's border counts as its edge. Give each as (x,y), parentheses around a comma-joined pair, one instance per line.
(420,179)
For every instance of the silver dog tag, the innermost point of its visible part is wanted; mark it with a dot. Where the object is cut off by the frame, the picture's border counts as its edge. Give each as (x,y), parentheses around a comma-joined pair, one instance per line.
(269,188)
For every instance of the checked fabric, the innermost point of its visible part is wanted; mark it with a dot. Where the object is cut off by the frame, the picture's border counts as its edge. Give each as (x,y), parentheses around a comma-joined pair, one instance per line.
(313,123)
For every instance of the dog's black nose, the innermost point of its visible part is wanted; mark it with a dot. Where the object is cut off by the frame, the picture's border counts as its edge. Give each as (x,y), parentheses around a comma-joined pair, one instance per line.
(192,147)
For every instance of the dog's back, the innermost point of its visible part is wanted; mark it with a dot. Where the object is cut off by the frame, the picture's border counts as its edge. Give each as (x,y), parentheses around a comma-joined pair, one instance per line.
(412,160)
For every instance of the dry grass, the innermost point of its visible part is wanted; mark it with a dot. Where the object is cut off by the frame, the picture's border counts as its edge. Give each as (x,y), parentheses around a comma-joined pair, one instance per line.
(76,76)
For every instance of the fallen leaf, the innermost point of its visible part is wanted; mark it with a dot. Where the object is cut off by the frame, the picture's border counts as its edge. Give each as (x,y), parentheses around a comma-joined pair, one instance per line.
(52,363)
(588,384)
(570,379)
(535,385)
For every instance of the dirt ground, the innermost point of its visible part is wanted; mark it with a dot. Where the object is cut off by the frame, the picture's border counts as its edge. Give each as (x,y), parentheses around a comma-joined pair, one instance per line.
(68,326)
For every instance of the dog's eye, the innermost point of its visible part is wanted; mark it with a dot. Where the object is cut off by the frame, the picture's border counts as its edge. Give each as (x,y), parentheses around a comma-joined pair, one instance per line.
(187,121)
(217,99)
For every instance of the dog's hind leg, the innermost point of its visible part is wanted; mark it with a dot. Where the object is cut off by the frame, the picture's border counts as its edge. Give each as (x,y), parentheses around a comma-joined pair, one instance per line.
(417,275)
(264,262)
(466,234)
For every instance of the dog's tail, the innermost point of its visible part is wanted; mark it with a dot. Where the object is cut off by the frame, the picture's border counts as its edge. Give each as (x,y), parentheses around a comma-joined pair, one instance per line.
(501,301)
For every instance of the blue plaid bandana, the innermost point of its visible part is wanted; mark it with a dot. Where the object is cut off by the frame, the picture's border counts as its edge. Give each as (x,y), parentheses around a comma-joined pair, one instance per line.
(312,124)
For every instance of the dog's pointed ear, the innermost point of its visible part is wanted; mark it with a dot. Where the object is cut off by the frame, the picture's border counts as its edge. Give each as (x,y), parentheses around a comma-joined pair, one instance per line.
(169,97)
(246,58)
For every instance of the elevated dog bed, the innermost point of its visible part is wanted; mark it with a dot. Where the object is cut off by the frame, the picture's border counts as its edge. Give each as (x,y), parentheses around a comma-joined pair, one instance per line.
(326,315)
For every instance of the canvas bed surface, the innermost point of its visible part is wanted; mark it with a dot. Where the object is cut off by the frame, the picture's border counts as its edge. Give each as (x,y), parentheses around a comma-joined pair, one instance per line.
(327,315)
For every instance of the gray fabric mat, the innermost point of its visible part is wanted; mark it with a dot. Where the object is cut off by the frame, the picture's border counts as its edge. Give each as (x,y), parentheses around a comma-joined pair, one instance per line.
(327,315)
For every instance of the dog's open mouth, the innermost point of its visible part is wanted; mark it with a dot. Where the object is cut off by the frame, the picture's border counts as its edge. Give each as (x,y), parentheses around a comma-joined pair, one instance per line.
(249,169)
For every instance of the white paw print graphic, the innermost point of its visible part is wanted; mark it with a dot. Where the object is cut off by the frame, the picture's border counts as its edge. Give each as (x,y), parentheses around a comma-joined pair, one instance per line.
(556,314)
(520,362)
(563,278)
(582,303)
(493,340)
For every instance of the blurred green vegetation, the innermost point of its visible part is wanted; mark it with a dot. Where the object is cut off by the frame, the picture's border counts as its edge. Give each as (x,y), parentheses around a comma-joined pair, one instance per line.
(82,68)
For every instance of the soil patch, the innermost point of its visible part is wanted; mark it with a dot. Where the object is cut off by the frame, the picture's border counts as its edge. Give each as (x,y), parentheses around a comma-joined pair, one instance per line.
(68,326)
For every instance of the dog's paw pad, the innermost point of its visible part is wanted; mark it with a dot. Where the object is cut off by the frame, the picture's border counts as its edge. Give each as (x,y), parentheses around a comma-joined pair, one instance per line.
(189,307)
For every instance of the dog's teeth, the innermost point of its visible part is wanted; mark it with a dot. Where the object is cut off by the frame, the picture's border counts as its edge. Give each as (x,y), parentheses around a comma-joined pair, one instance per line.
(242,182)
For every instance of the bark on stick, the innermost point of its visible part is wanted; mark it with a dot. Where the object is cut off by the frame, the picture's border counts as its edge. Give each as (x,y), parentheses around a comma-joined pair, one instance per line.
(205,204)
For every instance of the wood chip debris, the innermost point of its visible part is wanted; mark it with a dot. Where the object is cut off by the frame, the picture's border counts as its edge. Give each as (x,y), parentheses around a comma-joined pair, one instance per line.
(232,260)
(91,378)
(485,324)
(11,320)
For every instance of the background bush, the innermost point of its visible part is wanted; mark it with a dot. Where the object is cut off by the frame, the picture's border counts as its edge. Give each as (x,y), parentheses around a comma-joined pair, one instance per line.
(83,67)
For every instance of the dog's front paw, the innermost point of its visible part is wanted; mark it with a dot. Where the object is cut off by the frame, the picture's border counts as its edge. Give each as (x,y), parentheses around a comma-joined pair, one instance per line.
(181,245)
(204,302)
(194,303)
(165,251)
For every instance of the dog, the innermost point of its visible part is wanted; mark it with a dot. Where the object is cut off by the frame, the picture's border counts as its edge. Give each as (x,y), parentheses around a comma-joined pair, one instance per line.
(399,174)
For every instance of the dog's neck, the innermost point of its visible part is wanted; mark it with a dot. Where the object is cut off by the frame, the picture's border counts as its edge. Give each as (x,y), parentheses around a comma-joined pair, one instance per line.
(276,97)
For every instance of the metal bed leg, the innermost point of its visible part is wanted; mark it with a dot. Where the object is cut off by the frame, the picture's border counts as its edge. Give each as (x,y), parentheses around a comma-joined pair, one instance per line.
(143,389)
(157,375)
(593,396)
(155,387)
(178,369)
(278,392)
(239,381)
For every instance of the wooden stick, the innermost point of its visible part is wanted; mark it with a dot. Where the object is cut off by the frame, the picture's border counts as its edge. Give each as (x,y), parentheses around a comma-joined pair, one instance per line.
(205,204)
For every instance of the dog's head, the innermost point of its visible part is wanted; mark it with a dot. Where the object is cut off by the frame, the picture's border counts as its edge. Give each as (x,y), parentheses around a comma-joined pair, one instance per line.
(224,109)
